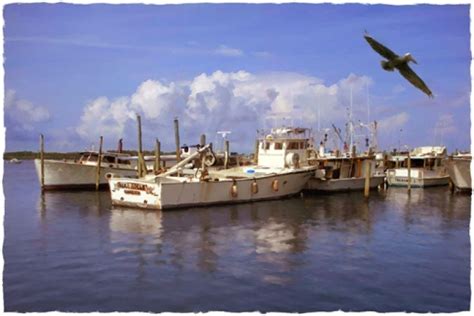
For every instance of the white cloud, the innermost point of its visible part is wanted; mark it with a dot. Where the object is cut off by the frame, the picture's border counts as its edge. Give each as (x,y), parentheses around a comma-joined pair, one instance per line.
(23,114)
(101,117)
(238,101)
(393,123)
(228,51)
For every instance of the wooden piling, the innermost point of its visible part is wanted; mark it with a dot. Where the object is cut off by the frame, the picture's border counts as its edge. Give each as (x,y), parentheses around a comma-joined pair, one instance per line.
(367,178)
(157,165)
(409,172)
(140,171)
(226,154)
(42,160)
(202,143)
(99,159)
(255,157)
(176,138)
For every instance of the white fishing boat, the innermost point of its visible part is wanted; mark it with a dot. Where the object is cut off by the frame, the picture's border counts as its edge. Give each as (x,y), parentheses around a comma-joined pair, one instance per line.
(336,174)
(334,171)
(458,167)
(277,175)
(426,170)
(14,161)
(82,173)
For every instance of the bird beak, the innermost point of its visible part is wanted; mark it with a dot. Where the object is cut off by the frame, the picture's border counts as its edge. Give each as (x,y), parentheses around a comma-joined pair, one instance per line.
(413,60)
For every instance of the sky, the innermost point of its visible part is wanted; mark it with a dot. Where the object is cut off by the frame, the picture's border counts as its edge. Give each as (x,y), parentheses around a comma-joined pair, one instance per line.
(76,72)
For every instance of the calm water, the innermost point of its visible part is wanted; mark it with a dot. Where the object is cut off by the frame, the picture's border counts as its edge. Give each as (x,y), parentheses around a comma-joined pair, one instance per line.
(72,251)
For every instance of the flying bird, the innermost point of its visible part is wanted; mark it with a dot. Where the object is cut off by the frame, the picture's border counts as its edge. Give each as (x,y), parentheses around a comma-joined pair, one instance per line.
(400,62)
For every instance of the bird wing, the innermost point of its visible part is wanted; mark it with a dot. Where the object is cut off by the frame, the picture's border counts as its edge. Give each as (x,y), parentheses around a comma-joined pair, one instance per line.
(411,76)
(379,48)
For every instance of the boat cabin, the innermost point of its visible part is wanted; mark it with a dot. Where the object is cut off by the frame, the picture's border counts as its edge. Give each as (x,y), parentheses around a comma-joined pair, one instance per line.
(284,147)
(110,159)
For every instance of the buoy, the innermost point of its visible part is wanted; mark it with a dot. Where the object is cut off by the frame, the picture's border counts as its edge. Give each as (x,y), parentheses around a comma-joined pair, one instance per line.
(254,187)
(275,185)
(233,190)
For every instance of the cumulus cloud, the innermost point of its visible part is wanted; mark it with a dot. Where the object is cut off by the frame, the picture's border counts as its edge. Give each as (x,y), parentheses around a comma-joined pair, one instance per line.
(22,114)
(238,101)
(228,51)
(393,123)
(106,118)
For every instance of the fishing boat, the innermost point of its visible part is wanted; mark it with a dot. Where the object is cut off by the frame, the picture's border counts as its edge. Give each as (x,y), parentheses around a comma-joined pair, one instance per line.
(278,174)
(426,168)
(14,161)
(458,167)
(335,171)
(335,174)
(82,173)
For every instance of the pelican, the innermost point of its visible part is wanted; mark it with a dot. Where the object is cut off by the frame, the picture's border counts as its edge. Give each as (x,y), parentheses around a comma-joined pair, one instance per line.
(400,62)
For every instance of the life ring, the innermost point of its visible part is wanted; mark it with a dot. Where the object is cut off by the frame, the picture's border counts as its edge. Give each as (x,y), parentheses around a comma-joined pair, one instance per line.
(312,154)
(209,159)
(275,185)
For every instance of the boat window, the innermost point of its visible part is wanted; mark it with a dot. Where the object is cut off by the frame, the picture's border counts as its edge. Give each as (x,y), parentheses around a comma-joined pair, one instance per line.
(109,159)
(267,145)
(278,146)
(293,145)
(92,157)
(123,162)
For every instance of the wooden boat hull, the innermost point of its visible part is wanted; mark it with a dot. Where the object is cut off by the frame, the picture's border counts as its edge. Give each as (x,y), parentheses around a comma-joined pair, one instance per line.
(459,170)
(69,175)
(340,185)
(167,193)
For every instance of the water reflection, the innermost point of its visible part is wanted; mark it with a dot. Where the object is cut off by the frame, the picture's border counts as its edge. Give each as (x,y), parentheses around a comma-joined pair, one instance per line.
(59,203)
(429,206)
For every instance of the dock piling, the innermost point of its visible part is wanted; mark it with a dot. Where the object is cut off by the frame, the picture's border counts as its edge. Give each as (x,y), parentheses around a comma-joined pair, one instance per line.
(176,137)
(42,160)
(409,172)
(140,163)
(367,178)
(99,159)
(255,157)
(202,143)
(226,154)
(157,165)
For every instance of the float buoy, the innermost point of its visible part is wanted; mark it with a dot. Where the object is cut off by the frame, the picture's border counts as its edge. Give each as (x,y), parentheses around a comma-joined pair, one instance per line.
(254,187)
(275,185)
(233,190)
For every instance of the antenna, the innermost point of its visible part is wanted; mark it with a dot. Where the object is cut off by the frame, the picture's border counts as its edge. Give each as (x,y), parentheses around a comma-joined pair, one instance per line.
(351,127)
(368,104)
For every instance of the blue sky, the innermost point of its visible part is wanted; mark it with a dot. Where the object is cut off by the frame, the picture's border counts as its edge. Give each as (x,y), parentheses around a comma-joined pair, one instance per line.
(74,72)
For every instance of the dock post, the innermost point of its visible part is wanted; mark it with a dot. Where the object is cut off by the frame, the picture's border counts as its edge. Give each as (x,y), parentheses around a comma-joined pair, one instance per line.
(42,160)
(176,138)
(255,157)
(140,170)
(202,143)
(409,172)
(367,178)
(226,154)
(99,159)
(157,165)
